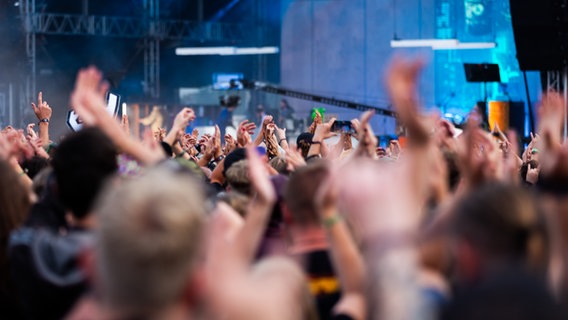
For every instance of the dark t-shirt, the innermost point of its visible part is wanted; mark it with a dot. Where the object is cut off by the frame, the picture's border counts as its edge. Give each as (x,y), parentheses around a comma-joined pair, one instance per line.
(323,283)
(342,317)
(46,271)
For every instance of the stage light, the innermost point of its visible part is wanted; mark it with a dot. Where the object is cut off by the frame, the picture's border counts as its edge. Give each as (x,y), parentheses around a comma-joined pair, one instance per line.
(225,51)
(421,43)
(204,51)
(441,44)
(466,45)
(263,50)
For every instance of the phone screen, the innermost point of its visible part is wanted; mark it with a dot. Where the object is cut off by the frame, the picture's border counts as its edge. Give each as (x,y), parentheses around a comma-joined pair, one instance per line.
(343,127)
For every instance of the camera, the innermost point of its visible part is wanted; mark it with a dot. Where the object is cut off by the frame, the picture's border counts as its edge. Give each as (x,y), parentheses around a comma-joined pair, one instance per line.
(228,101)
(343,127)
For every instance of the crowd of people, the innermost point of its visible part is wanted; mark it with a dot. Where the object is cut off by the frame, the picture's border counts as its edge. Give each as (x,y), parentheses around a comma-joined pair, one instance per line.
(176,225)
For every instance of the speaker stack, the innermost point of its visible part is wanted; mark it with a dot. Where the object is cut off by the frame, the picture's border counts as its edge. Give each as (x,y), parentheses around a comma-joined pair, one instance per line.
(541,33)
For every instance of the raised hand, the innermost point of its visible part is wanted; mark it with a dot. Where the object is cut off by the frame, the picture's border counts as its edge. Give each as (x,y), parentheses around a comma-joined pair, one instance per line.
(402,82)
(394,148)
(266,121)
(43,113)
(323,130)
(527,153)
(125,124)
(31,134)
(551,114)
(88,98)
(532,174)
(42,109)
(294,159)
(183,118)
(195,133)
(317,121)
(367,139)
(230,144)
(480,159)
(244,132)
(37,146)
(88,101)
(181,121)
(259,178)
(9,146)
(511,160)
(218,151)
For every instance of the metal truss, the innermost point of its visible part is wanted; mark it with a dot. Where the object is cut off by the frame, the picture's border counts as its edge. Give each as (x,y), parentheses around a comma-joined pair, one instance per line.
(554,81)
(148,27)
(125,27)
(558,81)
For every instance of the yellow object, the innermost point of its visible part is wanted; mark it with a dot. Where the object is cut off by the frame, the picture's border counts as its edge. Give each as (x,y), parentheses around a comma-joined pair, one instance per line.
(323,285)
(499,113)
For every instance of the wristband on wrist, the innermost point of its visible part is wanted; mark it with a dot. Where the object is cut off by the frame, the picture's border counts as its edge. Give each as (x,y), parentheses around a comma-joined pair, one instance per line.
(329,222)
(280,140)
(316,142)
(46,120)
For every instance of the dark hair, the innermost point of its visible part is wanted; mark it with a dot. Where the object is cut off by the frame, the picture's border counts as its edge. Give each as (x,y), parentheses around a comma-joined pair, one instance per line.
(229,101)
(232,158)
(82,163)
(301,190)
(304,141)
(34,165)
(502,222)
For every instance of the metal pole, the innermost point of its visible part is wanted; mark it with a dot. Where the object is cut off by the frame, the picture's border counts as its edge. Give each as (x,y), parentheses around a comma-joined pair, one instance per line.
(200,10)
(564,86)
(10,104)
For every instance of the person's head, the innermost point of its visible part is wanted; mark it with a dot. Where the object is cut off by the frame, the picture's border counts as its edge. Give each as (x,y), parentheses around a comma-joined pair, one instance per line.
(496,225)
(238,201)
(34,165)
(304,141)
(284,104)
(149,243)
(300,193)
(280,165)
(83,162)
(237,177)
(232,158)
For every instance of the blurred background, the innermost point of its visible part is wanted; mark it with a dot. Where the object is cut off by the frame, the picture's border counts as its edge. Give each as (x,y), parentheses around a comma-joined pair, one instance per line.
(332,48)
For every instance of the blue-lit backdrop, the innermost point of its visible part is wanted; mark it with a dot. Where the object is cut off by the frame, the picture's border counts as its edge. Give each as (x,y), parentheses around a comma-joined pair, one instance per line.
(342,47)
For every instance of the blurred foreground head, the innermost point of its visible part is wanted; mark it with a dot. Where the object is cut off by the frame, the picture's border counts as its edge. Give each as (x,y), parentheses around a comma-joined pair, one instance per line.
(149,243)
(498,225)
(83,162)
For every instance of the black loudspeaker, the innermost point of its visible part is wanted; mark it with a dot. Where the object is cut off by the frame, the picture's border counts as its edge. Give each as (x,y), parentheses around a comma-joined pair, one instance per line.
(541,33)
(482,72)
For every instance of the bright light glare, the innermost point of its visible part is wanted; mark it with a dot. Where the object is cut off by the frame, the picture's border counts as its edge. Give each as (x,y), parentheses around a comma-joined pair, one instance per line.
(224,51)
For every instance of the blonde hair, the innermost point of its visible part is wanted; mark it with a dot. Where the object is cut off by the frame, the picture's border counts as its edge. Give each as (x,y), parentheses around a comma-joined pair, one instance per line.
(149,240)
(237,177)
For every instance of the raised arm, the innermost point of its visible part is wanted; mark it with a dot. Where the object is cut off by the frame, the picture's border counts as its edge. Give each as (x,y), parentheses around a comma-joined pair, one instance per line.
(346,257)
(87,100)
(182,120)
(43,113)
(322,132)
